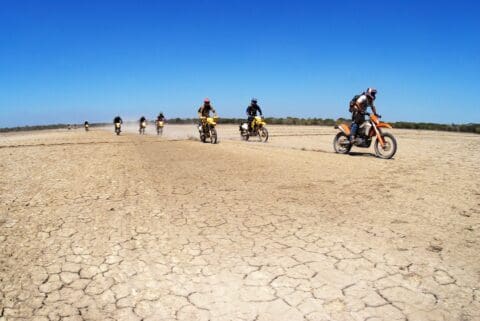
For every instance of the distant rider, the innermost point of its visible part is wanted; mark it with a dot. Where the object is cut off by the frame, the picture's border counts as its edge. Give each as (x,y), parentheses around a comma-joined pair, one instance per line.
(117,120)
(358,109)
(204,110)
(142,120)
(160,117)
(252,110)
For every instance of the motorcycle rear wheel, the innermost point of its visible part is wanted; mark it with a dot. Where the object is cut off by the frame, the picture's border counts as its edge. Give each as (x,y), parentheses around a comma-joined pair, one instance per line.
(340,144)
(389,149)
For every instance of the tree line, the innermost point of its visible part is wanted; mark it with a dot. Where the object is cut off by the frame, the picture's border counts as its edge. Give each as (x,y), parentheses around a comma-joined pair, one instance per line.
(464,128)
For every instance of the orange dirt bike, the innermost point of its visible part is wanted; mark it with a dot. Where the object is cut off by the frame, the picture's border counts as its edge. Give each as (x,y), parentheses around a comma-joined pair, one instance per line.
(206,129)
(385,144)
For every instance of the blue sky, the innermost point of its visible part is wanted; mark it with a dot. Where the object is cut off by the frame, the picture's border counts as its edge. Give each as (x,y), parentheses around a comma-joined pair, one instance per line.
(68,61)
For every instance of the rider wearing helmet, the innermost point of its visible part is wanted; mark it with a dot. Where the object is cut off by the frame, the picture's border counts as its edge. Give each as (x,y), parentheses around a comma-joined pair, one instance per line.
(160,117)
(142,119)
(252,110)
(117,120)
(205,109)
(359,107)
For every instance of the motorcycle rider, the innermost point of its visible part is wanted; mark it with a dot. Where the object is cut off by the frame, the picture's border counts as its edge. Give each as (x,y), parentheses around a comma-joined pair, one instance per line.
(117,120)
(251,111)
(160,117)
(358,109)
(204,111)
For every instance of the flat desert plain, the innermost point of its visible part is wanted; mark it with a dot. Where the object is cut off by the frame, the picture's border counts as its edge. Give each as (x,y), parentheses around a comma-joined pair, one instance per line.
(99,227)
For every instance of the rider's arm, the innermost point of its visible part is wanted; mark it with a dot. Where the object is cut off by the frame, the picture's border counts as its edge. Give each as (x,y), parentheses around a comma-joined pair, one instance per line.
(374,109)
(260,110)
(214,111)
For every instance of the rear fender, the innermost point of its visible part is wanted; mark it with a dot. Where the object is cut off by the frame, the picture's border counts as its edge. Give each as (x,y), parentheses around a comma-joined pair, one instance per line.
(344,129)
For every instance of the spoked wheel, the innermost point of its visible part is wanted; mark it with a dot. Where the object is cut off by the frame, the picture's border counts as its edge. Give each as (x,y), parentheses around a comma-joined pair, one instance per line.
(341,144)
(389,148)
(159,131)
(263,134)
(213,135)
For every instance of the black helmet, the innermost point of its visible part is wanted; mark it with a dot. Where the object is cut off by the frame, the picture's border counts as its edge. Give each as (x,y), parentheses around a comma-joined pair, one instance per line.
(254,100)
(371,93)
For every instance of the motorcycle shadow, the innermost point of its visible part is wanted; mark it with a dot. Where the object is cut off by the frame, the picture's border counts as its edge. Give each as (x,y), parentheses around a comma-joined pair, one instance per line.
(366,154)
(362,154)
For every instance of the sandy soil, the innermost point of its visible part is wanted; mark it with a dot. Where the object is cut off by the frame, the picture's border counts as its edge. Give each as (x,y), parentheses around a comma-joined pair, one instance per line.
(99,227)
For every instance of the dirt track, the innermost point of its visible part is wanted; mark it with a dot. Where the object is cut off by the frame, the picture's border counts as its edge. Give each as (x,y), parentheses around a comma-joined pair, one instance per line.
(99,227)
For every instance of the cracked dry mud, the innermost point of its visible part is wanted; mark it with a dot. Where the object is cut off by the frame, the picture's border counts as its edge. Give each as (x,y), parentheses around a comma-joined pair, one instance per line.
(97,227)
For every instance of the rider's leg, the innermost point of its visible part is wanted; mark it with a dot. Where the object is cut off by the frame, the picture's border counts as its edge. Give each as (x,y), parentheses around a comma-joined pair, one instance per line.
(353,131)
(250,122)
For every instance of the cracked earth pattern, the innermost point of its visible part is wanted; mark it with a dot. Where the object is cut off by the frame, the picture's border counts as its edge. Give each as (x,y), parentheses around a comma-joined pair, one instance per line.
(97,227)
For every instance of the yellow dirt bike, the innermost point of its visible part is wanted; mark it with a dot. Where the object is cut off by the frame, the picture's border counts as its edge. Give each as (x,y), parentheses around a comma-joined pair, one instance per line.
(207,130)
(159,127)
(143,125)
(118,128)
(257,128)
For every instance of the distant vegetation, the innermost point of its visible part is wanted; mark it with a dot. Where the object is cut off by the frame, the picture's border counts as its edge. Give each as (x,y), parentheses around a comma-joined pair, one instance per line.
(464,128)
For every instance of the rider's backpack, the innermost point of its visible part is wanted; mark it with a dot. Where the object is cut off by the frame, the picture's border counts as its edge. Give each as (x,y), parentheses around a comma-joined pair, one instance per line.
(352,103)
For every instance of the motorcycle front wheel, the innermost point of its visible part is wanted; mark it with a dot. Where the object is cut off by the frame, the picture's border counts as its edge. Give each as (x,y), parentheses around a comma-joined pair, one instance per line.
(213,135)
(341,144)
(263,134)
(389,148)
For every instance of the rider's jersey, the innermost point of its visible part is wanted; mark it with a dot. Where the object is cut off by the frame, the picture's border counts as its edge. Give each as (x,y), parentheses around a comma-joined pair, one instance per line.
(204,110)
(252,110)
(363,103)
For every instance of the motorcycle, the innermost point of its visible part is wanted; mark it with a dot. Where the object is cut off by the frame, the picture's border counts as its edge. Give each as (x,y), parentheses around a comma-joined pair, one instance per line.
(206,129)
(258,129)
(86,127)
(118,128)
(385,143)
(159,127)
(143,125)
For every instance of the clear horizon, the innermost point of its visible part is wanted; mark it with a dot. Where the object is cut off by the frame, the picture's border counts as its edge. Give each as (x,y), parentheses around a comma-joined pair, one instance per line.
(67,63)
